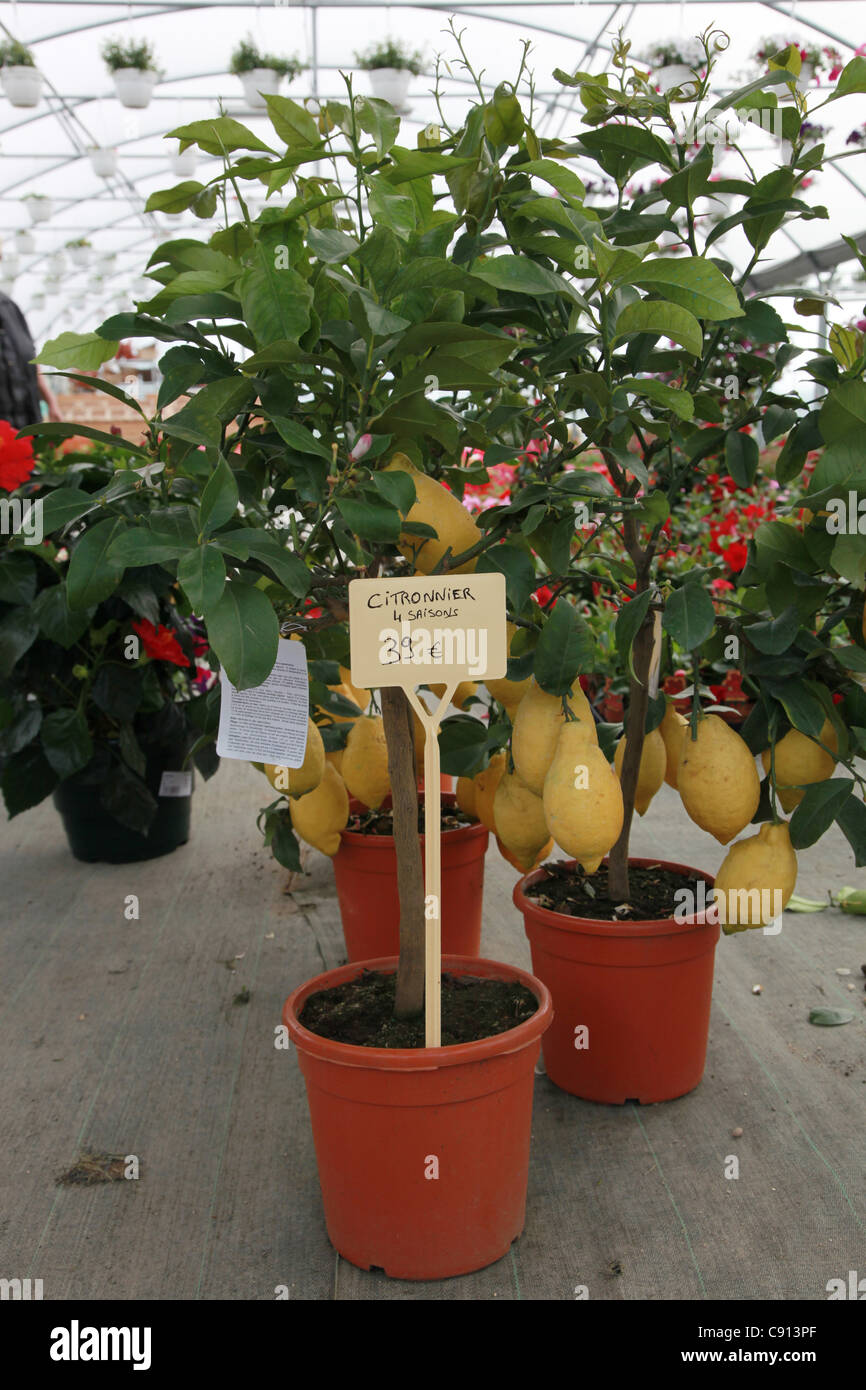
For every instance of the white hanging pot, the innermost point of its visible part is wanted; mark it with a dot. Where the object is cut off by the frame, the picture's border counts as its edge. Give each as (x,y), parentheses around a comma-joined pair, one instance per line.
(260,80)
(186,163)
(79,255)
(40,209)
(10,266)
(56,264)
(134,86)
(673,75)
(25,243)
(806,77)
(38,300)
(22,85)
(103,162)
(391,85)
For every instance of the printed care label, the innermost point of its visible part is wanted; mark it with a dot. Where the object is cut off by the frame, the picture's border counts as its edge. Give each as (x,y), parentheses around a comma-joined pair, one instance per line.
(427,628)
(268,724)
(175,784)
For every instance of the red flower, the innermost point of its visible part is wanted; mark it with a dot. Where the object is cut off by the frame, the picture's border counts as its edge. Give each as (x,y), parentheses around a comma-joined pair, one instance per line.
(16,458)
(719,585)
(735,556)
(160,643)
(543,594)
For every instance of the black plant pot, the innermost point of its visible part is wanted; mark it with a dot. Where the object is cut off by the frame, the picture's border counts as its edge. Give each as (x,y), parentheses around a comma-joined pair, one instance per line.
(96,837)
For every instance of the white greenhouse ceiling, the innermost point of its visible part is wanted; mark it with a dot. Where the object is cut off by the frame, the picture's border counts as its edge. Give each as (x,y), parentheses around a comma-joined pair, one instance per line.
(44,149)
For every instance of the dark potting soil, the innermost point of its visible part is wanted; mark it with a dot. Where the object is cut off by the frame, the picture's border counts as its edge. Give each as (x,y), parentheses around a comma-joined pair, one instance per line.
(578,894)
(382,822)
(362,1011)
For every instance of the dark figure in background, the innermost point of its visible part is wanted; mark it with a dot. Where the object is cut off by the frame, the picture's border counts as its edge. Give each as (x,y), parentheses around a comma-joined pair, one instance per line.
(21,383)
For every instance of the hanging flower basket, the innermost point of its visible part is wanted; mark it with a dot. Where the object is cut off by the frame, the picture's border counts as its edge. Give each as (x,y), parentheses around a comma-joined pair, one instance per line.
(25,243)
(134,86)
(22,85)
(184,162)
(40,208)
(103,161)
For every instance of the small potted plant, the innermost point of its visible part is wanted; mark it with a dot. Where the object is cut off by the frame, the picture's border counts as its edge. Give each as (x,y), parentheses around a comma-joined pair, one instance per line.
(103,161)
(672,64)
(21,79)
(184,162)
(132,66)
(102,705)
(39,207)
(391,64)
(25,242)
(79,252)
(261,73)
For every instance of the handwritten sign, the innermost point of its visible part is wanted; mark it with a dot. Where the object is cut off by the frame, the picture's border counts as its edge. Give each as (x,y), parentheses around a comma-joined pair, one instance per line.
(427,628)
(418,631)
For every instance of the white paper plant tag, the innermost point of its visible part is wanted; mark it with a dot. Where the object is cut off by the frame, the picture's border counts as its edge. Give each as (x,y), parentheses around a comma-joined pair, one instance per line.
(175,784)
(268,724)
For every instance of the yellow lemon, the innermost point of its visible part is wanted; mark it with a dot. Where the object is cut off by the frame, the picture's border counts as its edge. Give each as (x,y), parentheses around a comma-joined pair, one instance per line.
(537,726)
(582,797)
(518,817)
(434,506)
(756,879)
(651,773)
(297,781)
(486,783)
(671,730)
(465,792)
(717,779)
(509,693)
(319,816)
(799,762)
(365,761)
(462,695)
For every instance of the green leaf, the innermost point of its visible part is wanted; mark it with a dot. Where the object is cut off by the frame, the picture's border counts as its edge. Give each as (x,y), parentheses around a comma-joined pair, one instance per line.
(741,457)
(300,438)
(176,199)
(243,632)
(126,797)
(371,520)
(65,505)
(276,303)
(21,731)
(219,501)
(851,820)
(821,804)
(803,708)
(57,429)
(66,741)
(852,78)
(503,117)
(564,647)
(629,621)
(284,845)
(27,778)
(692,282)
(268,547)
(797,904)
(689,616)
(829,1018)
(520,275)
(92,574)
(202,575)
(140,546)
(670,397)
(331,245)
(462,745)
(391,209)
(56,620)
(518,568)
(396,488)
(295,126)
(217,135)
(18,632)
(117,690)
(636,145)
(17,577)
(658,317)
(378,119)
(84,350)
(776,635)
(844,411)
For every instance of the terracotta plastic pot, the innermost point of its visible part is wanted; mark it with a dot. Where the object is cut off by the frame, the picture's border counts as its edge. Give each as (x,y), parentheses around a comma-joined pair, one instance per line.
(365,868)
(642,990)
(384,1120)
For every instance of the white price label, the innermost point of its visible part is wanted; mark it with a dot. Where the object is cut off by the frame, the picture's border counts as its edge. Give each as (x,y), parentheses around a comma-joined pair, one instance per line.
(175,784)
(268,724)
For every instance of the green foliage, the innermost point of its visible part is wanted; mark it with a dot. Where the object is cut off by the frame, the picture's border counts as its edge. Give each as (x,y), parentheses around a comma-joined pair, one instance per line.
(391,53)
(134,53)
(246,58)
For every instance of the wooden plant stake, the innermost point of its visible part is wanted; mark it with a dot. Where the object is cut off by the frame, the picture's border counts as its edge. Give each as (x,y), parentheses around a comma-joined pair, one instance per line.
(413,631)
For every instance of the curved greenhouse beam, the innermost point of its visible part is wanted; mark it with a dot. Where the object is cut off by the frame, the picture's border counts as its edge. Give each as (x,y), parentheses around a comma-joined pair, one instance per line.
(792,271)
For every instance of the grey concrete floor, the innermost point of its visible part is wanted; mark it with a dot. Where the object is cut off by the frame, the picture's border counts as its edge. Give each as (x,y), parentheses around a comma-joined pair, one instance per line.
(123,1036)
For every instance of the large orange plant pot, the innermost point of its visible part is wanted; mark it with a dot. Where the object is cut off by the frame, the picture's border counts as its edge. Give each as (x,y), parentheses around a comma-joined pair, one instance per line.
(641,990)
(385,1121)
(365,868)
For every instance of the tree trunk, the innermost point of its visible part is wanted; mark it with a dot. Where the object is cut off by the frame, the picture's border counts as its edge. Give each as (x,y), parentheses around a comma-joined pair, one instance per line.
(618,883)
(399,735)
